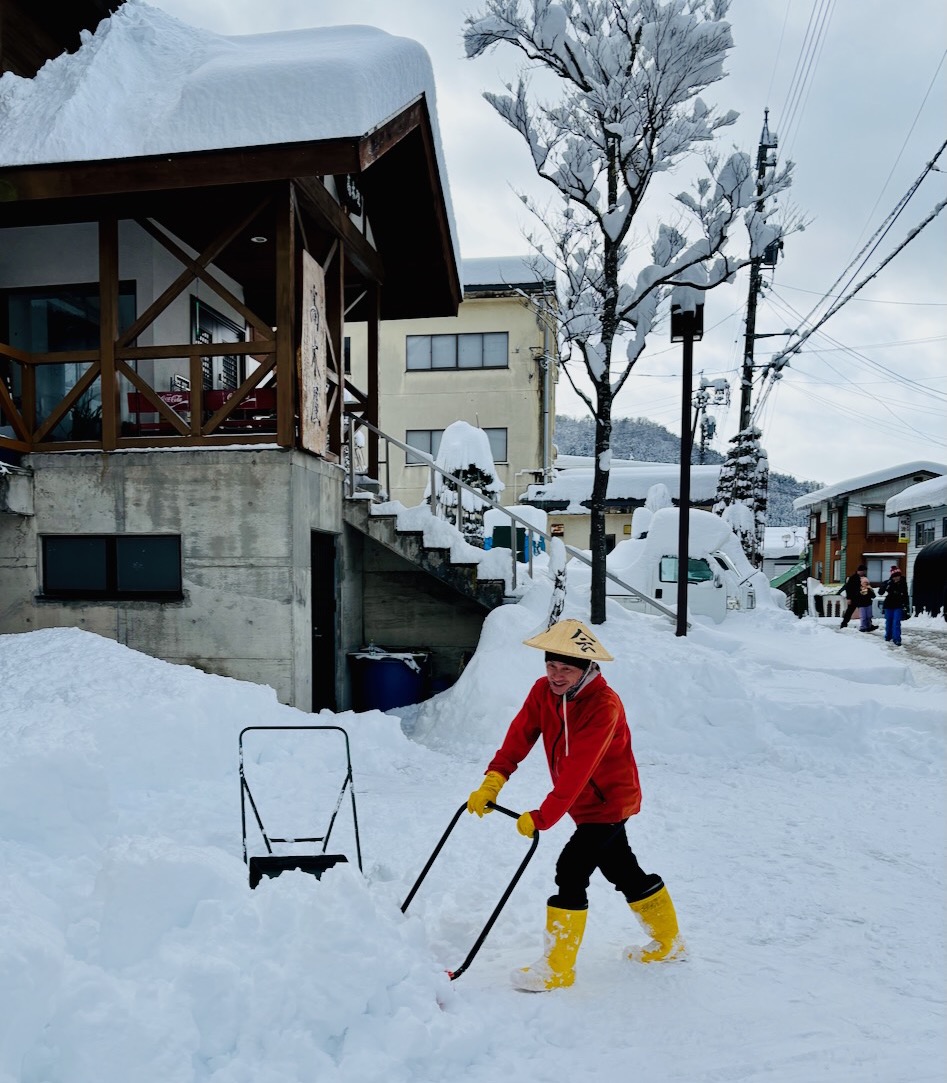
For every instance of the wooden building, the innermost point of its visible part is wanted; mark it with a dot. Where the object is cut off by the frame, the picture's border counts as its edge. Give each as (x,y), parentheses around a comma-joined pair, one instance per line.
(194,297)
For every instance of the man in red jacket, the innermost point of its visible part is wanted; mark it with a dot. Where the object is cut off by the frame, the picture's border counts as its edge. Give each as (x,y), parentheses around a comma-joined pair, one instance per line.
(595,780)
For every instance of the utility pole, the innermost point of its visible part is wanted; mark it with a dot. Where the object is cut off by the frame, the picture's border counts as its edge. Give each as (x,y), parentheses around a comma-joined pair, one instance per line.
(710,393)
(765,160)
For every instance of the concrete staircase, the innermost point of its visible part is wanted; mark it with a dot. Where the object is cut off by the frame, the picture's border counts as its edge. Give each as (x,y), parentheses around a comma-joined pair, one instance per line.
(433,560)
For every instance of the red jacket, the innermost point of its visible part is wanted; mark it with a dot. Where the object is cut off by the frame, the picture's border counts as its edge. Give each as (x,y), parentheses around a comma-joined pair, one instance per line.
(596,779)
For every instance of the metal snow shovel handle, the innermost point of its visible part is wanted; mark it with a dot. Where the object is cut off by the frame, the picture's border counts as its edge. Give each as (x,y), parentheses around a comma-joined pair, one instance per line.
(455,974)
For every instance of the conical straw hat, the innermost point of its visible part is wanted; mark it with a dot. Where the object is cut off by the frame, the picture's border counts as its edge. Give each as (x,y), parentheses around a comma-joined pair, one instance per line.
(572,638)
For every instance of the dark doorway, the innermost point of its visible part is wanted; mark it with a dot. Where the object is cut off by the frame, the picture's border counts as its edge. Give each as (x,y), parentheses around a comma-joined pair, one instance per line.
(323,572)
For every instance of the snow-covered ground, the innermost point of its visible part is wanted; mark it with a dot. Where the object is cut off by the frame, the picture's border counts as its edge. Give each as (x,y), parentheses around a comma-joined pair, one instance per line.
(794,802)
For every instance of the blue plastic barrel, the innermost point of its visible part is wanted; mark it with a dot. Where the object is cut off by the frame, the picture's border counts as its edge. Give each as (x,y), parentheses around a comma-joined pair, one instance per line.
(382,681)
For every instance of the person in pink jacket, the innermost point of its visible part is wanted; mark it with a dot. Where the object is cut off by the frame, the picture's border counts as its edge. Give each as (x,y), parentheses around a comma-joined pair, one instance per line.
(587,744)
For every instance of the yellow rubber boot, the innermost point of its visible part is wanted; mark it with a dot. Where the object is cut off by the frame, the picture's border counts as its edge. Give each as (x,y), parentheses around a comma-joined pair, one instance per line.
(658,919)
(564,930)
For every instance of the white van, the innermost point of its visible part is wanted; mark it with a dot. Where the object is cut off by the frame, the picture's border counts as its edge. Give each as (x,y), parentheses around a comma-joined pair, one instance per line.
(719,577)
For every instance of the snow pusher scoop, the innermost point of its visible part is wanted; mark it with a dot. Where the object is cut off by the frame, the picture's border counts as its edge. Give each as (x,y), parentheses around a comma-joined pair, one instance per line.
(270,864)
(455,974)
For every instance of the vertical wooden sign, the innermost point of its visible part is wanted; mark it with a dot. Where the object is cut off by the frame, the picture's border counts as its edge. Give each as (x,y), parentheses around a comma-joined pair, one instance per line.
(313,387)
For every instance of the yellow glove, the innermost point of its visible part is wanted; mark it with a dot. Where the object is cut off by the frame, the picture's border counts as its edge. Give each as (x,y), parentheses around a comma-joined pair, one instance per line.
(492,783)
(525,825)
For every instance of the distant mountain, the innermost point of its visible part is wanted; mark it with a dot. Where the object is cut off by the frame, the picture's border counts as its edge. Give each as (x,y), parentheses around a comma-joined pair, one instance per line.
(647,441)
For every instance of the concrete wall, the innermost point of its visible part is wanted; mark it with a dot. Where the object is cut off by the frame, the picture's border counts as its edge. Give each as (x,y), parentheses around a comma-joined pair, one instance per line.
(244,517)
(406,609)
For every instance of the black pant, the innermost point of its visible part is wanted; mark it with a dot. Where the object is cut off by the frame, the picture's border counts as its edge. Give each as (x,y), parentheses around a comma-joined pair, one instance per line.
(603,847)
(849,613)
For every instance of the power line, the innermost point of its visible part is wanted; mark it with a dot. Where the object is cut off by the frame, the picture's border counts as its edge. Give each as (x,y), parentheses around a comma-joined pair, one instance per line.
(806,62)
(851,270)
(904,144)
(866,300)
(897,377)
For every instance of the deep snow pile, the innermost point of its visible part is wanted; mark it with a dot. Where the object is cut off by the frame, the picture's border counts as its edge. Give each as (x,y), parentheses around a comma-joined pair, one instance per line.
(793,801)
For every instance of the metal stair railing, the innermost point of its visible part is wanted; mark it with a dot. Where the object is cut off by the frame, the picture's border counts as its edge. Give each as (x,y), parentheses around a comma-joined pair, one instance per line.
(530,528)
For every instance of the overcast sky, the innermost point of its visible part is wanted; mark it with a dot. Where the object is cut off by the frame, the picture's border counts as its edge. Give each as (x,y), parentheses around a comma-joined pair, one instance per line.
(857,94)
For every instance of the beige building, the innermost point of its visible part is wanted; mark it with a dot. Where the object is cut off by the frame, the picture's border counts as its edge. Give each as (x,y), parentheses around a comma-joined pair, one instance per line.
(493,366)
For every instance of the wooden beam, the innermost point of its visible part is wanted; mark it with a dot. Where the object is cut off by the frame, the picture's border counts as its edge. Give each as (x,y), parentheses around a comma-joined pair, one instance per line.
(195,349)
(223,440)
(377,143)
(371,411)
(152,398)
(108,332)
(359,252)
(13,415)
(196,269)
(63,407)
(335,318)
(248,385)
(286,344)
(172,172)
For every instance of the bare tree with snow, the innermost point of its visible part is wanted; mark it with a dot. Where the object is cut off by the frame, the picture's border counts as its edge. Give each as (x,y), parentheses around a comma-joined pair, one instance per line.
(630,74)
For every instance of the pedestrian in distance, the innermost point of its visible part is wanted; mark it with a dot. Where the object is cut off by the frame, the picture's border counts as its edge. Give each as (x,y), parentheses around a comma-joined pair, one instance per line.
(587,743)
(866,594)
(895,605)
(852,590)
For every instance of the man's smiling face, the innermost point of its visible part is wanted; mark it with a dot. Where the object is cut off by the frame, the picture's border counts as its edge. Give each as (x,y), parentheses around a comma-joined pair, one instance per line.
(562,677)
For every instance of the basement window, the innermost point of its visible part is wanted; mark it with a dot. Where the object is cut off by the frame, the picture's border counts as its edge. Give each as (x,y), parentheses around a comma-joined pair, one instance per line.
(112,566)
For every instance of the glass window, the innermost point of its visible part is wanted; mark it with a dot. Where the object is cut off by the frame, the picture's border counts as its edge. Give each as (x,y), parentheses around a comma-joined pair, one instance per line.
(495,350)
(428,440)
(59,319)
(419,351)
(498,450)
(112,566)
(443,351)
(876,521)
(833,521)
(73,564)
(470,351)
(475,350)
(924,532)
(146,564)
(698,570)
(208,325)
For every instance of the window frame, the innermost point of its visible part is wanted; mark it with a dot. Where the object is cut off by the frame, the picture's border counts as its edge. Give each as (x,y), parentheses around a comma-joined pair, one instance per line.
(443,351)
(875,521)
(927,528)
(113,558)
(434,444)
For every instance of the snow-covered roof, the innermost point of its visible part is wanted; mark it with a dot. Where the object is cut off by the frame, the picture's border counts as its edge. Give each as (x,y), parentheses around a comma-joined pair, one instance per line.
(569,462)
(500,271)
(866,481)
(926,494)
(146,83)
(782,541)
(632,484)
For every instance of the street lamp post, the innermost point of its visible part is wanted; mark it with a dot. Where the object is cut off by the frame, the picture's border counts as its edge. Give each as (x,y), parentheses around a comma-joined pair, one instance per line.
(687,324)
